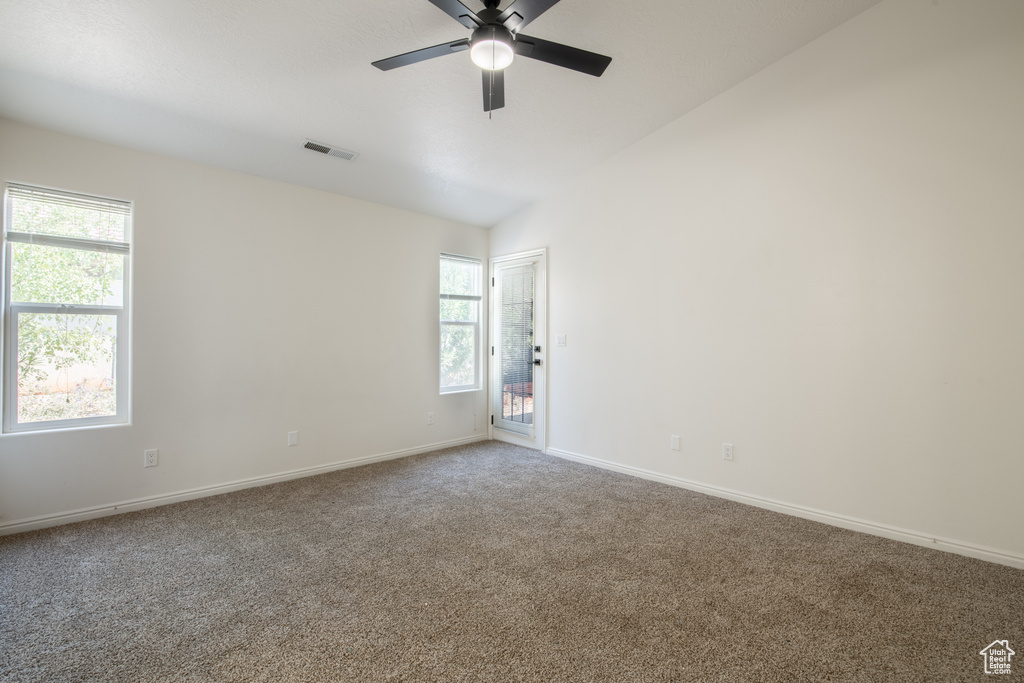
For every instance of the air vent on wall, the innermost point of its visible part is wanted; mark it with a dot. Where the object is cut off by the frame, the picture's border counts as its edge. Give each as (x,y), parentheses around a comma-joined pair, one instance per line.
(331,151)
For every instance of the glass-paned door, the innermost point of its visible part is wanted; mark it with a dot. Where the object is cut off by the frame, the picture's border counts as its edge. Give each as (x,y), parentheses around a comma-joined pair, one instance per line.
(517,357)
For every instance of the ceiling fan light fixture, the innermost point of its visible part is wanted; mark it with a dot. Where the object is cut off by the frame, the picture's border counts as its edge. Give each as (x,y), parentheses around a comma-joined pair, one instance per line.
(497,38)
(492,48)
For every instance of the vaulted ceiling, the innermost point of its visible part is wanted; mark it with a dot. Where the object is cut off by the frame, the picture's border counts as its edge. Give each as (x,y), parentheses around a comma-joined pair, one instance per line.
(242,83)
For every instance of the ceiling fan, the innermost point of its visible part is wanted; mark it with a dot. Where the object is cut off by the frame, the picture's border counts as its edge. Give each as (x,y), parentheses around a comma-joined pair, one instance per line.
(495,42)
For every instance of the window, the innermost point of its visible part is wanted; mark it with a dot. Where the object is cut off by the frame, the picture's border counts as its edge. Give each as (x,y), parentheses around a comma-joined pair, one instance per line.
(461,282)
(66,287)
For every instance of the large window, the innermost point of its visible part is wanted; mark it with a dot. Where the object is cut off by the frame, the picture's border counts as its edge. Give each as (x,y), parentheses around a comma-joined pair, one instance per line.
(66,287)
(461,283)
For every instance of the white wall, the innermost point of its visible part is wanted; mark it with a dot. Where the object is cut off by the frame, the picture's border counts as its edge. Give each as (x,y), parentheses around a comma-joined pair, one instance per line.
(825,267)
(259,308)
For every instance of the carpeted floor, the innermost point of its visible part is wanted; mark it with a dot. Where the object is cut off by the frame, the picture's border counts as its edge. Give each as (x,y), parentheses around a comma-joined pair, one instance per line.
(490,563)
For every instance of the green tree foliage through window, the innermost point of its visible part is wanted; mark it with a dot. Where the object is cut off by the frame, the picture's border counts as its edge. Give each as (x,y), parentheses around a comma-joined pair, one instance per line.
(66,285)
(460,323)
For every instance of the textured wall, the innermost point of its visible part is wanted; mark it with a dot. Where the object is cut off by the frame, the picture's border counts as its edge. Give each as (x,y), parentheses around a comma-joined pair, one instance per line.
(823,266)
(259,308)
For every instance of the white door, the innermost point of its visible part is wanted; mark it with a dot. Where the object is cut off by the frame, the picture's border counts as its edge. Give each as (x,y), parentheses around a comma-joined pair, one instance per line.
(518,344)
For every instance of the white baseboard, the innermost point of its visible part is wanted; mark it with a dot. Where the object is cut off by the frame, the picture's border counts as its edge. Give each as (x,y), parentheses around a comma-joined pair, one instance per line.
(843,521)
(83,514)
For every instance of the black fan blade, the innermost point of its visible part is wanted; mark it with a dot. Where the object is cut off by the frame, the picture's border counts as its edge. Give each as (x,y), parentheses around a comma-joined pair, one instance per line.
(459,12)
(494,89)
(522,12)
(561,55)
(421,55)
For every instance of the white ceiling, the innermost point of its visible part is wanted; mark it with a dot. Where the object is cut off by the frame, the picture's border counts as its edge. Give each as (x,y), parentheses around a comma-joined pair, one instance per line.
(240,83)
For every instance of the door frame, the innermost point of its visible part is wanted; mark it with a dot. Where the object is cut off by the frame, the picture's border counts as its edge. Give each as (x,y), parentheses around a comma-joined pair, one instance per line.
(540,338)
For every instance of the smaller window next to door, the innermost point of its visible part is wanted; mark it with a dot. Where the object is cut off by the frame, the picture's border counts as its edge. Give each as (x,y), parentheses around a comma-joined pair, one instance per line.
(66,286)
(461,285)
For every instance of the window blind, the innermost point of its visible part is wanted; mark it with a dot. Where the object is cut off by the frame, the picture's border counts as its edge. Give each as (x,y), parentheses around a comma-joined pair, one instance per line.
(69,199)
(79,221)
(69,242)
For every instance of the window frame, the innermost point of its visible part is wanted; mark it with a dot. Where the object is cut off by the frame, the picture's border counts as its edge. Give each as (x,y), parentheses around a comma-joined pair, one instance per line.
(11,311)
(477,326)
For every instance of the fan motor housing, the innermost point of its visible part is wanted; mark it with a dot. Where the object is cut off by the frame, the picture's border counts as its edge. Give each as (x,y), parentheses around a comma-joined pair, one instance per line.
(492,32)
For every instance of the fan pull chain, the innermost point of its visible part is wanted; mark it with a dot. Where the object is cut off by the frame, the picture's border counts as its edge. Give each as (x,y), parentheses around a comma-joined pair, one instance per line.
(490,93)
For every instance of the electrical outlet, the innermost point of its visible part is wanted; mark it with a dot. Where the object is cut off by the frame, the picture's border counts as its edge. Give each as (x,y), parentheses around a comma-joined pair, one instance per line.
(151,457)
(726,451)
(293,438)
(430,418)
(674,444)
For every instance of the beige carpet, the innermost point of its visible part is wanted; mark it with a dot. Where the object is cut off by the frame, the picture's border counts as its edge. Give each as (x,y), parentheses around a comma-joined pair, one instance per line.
(490,563)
